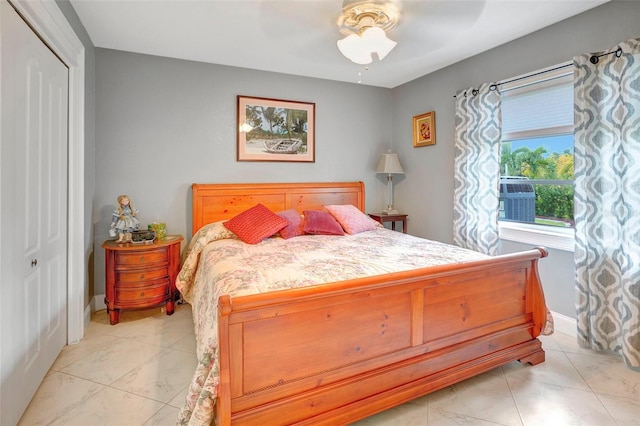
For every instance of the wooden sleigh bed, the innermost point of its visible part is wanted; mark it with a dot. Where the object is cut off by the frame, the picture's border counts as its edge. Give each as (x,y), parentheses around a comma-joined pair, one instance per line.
(338,352)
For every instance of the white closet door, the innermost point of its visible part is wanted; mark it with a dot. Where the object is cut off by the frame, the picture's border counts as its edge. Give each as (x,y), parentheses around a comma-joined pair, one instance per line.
(33,217)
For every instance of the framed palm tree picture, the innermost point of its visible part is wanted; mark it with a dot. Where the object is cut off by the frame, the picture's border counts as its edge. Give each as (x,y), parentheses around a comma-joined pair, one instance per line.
(275,130)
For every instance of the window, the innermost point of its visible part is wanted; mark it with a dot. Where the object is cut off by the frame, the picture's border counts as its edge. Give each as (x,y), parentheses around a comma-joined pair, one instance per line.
(536,183)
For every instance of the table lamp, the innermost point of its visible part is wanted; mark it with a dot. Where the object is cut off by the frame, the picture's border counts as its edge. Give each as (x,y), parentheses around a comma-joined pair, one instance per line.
(389,164)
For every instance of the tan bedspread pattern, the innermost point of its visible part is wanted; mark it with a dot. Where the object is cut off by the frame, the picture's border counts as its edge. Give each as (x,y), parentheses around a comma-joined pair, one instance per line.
(218,263)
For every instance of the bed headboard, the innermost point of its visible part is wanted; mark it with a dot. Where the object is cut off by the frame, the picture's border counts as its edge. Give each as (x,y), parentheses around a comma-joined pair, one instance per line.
(214,202)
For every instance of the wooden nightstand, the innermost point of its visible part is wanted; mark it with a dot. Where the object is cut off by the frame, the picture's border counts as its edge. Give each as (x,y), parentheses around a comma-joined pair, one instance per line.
(141,275)
(393,218)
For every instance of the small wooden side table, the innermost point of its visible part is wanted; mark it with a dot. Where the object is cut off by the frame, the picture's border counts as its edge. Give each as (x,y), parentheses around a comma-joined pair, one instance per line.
(141,275)
(393,218)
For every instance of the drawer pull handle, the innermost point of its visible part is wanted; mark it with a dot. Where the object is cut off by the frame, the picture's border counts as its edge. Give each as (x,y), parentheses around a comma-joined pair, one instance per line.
(142,276)
(142,259)
(141,293)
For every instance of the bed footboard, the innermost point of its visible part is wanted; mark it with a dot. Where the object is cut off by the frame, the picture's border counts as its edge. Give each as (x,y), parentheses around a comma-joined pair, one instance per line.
(339,352)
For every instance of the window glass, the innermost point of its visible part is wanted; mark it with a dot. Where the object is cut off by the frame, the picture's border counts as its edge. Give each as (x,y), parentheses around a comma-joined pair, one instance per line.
(536,184)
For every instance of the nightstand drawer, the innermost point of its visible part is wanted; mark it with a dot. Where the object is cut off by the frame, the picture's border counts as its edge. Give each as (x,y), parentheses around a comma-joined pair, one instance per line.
(144,258)
(142,276)
(143,295)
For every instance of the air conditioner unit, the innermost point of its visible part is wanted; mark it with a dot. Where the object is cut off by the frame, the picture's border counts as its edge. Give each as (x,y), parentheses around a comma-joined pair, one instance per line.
(517,199)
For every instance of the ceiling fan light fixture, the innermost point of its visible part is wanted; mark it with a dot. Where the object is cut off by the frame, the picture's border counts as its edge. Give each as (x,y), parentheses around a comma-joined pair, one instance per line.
(351,48)
(375,40)
(360,48)
(365,23)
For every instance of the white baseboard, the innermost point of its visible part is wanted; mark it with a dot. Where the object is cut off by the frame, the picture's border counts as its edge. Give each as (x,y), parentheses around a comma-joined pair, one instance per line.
(87,315)
(97,303)
(565,324)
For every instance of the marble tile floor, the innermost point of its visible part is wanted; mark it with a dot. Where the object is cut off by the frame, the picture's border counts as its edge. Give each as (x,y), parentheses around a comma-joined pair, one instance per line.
(137,373)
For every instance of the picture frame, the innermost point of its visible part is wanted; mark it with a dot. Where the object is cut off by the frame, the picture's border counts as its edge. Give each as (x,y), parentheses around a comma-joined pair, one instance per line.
(424,129)
(275,130)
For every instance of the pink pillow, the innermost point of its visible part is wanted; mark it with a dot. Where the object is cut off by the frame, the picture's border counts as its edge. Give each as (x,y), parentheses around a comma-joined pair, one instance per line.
(255,224)
(317,222)
(351,218)
(295,224)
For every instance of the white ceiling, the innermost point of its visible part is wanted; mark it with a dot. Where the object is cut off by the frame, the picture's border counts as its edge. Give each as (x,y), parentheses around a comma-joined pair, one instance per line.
(299,36)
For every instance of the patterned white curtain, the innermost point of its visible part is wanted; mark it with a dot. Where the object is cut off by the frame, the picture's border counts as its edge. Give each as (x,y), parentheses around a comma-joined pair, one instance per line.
(478,121)
(607,200)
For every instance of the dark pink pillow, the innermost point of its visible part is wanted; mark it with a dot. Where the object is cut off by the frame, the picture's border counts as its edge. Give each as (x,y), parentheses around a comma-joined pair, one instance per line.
(295,224)
(318,222)
(255,224)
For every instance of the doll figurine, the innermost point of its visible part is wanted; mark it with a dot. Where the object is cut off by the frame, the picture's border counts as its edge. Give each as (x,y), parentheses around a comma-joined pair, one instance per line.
(124,220)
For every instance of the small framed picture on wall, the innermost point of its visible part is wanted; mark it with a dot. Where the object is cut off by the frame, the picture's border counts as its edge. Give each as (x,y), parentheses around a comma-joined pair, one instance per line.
(424,129)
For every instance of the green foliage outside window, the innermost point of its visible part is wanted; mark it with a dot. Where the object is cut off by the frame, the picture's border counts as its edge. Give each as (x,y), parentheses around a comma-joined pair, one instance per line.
(554,203)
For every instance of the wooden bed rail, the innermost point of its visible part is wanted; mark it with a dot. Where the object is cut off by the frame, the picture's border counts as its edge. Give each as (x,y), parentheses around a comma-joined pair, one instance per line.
(338,352)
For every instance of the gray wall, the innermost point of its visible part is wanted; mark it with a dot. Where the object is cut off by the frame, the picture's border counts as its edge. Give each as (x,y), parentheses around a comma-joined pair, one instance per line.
(163,124)
(89,139)
(426,194)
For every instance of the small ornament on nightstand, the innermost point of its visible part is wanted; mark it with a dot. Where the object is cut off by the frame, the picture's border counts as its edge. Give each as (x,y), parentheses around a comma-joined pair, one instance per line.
(143,237)
(160,229)
(124,220)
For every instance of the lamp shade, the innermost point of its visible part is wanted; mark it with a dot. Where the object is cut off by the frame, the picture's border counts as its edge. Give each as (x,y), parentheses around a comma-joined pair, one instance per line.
(389,163)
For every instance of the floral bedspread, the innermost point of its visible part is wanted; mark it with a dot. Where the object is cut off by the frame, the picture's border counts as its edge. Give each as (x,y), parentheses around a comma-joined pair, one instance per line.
(218,263)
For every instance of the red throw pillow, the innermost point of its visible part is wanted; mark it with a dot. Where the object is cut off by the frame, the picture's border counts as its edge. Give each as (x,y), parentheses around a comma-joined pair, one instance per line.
(295,224)
(318,222)
(255,224)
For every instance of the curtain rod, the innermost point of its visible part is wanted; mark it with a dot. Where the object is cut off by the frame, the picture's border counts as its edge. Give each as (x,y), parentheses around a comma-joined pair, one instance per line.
(595,58)
(494,86)
(533,74)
